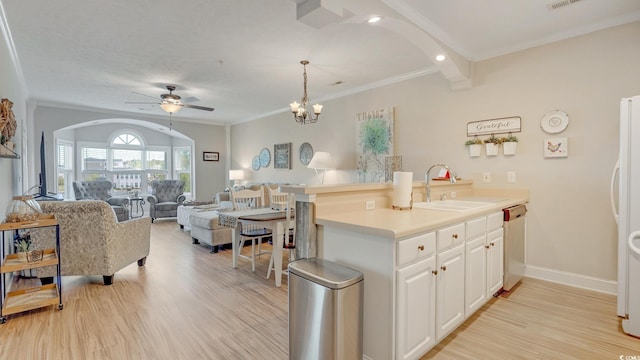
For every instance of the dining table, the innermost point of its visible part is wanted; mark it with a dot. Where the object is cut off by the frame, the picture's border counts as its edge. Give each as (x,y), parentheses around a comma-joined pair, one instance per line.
(263,217)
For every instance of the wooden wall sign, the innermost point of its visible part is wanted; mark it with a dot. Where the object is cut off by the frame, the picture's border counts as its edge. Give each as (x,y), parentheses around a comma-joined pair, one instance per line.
(494,126)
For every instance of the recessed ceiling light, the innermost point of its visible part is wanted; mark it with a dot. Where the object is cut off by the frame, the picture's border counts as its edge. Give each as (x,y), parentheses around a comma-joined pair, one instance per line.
(374,19)
(440,57)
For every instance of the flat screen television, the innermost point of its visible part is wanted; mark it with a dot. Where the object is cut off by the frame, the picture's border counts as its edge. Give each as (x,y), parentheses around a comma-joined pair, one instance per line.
(42,193)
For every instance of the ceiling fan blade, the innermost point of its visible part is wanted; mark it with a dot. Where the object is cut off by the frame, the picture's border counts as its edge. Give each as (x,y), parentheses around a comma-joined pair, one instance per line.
(190,99)
(198,107)
(149,96)
(139,102)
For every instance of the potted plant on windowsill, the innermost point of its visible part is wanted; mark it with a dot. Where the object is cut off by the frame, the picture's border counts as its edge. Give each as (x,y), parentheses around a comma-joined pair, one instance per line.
(509,145)
(475,147)
(492,144)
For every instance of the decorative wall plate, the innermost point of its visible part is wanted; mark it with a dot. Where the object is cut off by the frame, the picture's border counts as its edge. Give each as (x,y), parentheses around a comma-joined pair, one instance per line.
(554,122)
(306,153)
(255,163)
(265,157)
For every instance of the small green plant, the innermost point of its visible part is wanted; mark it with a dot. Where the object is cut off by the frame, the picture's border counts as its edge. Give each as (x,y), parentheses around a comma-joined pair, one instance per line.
(493,140)
(509,138)
(23,243)
(474,141)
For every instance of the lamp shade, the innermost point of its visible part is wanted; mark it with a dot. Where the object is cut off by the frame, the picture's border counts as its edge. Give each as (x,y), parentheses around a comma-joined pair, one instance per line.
(321,160)
(170,108)
(236,174)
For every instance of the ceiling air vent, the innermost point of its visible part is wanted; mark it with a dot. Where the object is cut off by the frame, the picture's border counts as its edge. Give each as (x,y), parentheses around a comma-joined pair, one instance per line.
(558,4)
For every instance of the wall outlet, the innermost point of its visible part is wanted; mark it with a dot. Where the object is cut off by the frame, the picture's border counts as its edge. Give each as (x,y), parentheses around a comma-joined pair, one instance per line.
(453,194)
(486,177)
(511,176)
(370,204)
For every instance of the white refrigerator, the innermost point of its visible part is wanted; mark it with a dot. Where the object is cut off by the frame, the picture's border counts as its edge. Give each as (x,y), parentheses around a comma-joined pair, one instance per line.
(628,216)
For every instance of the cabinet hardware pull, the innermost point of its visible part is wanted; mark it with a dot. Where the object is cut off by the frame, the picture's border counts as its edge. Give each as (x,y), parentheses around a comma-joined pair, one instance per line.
(421,247)
(455,236)
(487,246)
(434,272)
(493,244)
(443,267)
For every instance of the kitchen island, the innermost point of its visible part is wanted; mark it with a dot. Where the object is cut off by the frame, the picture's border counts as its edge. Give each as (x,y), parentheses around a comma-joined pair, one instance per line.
(425,271)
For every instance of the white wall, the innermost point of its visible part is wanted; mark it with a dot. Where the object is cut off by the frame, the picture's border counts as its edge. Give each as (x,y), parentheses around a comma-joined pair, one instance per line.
(209,176)
(12,88)
(570,226)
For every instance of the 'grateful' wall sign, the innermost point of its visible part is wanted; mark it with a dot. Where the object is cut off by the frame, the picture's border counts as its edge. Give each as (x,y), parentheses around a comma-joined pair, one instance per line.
(494,126)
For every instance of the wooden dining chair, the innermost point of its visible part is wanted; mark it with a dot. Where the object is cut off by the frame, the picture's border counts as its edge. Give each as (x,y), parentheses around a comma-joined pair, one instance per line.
(276,197)
(250,199)
(289,234)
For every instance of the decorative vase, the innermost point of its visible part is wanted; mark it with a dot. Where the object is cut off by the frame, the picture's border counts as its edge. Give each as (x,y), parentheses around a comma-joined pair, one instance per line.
(492,149)
(510,148)
(475,150)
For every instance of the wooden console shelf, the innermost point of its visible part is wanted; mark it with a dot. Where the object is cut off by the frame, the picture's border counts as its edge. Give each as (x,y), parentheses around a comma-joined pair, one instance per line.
(13,302)
(29,299)
(14,262)
(43,220)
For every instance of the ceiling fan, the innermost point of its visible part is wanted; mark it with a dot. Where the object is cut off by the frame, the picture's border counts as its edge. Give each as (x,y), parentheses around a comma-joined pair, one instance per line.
(171,102)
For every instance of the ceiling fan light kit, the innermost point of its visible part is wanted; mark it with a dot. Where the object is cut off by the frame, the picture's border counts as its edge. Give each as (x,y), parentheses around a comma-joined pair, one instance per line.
(300,113)
(172,103)
(170,108)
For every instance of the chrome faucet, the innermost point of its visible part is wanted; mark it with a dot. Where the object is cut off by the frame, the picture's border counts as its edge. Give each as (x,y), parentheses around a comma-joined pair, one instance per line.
(427,177)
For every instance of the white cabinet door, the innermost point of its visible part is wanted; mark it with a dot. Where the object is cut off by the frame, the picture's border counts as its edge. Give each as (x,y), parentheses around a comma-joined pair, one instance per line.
(475,292)
(415,309)
(495,262)
(449,290)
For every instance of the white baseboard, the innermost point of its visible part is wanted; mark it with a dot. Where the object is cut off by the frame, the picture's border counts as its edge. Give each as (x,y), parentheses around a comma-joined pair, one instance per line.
(571,279)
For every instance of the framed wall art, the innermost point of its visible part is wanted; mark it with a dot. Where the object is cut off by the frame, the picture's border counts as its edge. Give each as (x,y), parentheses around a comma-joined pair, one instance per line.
(556,147)
(374,142)
(282,156)
(210,156)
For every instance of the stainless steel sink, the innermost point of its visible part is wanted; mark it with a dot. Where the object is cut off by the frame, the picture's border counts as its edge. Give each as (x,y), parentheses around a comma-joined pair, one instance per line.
(452,205)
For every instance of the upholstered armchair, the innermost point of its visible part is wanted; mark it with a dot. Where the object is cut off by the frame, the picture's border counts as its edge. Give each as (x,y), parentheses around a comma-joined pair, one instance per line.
(166,196)
(92,242)
(101,190)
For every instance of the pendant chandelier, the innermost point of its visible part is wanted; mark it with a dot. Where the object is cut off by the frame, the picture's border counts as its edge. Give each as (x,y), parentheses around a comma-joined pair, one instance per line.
(300,113)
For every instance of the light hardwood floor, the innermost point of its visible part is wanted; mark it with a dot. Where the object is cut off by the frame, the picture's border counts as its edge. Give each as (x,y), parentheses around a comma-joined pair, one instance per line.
(189,304)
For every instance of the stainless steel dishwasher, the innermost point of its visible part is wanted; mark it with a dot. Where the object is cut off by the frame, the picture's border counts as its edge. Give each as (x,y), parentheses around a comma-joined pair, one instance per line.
(514,234)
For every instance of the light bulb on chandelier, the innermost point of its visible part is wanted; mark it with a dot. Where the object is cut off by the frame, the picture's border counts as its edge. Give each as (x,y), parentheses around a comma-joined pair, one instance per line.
(300,113)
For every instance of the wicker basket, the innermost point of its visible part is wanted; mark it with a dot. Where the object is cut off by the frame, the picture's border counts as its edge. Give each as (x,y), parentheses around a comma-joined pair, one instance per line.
(34,255)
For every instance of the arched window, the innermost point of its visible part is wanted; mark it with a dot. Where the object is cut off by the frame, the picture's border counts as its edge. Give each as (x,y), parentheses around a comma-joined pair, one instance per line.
(126,139)
(128,162)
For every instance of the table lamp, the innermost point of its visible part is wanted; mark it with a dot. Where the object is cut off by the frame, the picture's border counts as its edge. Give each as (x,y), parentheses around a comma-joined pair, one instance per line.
(236,176)
(321,160)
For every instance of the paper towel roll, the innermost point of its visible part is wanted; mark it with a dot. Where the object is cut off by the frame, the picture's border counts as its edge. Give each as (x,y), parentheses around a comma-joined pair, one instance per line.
(402,190)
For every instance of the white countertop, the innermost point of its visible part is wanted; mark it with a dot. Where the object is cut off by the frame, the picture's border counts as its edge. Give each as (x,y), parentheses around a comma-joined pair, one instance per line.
(398,224)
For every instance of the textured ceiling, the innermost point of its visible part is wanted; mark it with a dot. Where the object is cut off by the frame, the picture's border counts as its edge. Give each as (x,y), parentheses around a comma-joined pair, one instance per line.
(242,56)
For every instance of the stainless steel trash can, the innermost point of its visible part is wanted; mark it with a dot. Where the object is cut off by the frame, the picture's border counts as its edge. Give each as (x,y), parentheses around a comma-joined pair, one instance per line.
(325,310)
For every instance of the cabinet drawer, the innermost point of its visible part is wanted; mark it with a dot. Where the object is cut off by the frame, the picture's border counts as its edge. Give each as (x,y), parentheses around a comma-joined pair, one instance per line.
(494,221)
(476,227)
(416,247)
(450,236)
